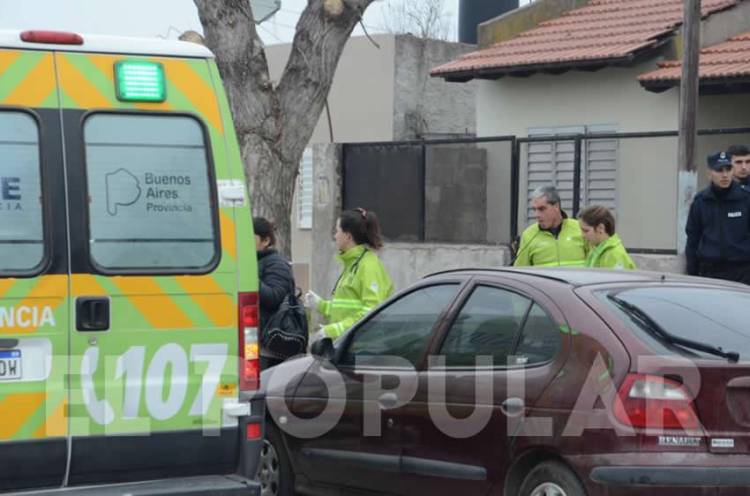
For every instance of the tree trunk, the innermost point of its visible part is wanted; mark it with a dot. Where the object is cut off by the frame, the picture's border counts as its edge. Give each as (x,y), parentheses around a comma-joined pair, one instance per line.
(274,124)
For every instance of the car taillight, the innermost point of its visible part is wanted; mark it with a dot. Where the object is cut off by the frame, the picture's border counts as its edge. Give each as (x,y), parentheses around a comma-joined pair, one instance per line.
(253,431)
(653,402)
(52,37)
(247,328)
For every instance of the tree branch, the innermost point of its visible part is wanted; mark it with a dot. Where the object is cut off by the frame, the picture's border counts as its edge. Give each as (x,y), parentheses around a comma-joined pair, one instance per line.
(322,32)
(230,32)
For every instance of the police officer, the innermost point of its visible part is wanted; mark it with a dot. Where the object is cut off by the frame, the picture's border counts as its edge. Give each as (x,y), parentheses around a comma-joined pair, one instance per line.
(554,240)
(718,226)
(740,155)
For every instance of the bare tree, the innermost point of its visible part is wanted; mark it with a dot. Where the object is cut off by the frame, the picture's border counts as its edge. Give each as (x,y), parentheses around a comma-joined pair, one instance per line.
(425,19)
(274,123)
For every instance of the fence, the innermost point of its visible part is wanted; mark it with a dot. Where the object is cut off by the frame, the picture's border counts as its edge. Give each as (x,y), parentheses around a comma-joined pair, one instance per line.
(476,191)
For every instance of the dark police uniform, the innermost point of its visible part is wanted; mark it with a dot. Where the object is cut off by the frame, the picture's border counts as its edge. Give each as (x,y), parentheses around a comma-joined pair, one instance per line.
(718,230)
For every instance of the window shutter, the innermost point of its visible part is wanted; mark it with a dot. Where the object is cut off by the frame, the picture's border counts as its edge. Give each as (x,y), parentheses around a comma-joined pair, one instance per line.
(552,162)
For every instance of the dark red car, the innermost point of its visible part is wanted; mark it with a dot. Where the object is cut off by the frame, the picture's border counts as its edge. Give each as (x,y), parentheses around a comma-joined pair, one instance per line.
(550,382)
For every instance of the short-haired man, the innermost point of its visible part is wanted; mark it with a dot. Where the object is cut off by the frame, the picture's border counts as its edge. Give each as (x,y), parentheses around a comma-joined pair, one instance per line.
(740,155)
(554,240)
(718,226)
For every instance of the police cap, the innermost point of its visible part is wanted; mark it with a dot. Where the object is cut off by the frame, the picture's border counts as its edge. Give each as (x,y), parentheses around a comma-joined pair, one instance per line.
(719,160)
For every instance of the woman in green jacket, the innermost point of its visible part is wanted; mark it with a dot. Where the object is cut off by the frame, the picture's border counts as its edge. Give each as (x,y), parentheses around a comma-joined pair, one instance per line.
(607,250)
(363,283)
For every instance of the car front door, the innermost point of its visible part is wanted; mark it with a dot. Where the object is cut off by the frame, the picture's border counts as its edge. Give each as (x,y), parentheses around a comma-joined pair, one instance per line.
(489,365)
(374,369)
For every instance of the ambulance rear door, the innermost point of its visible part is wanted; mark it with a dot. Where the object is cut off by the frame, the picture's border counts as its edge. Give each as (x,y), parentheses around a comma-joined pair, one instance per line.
(34,277)
(154,275)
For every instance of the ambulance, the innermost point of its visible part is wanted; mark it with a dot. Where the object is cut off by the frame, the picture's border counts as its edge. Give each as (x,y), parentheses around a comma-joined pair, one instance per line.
(128,278)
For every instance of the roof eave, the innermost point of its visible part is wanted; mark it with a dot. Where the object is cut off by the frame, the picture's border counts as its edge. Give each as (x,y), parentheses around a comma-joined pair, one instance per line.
(733,84)
(528,70)
(555,67)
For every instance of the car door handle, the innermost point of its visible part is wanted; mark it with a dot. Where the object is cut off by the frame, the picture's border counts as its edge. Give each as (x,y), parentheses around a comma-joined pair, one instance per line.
(7,344)
(513,406)
(92,313)
(388,401)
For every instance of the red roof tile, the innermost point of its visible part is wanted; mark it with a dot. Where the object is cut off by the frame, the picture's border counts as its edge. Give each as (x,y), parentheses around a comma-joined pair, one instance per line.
(730,59)
(601,31)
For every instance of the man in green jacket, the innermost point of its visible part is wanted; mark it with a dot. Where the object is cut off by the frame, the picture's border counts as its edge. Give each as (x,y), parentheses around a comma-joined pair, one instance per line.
(554,240)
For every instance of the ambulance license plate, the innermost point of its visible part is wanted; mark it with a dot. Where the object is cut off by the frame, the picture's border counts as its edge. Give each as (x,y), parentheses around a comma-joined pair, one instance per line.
(10,365)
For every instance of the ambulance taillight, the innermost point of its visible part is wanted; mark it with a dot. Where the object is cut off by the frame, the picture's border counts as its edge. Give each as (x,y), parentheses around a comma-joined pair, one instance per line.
(51,37)
(248,331)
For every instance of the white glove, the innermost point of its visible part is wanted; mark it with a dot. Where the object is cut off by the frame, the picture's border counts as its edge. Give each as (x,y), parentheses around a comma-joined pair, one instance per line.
(312,300)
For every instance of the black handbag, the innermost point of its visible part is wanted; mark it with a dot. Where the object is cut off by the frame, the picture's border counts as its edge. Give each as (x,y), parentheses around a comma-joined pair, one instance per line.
(285,333)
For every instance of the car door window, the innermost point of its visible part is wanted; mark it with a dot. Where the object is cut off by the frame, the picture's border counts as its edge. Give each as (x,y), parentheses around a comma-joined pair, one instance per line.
(149,185)
(540,338)
(21,236)
(488,325)
(401,330)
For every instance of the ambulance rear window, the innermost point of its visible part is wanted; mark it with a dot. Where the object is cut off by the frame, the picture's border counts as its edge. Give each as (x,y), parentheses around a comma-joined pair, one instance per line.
(149,184)
(22,234)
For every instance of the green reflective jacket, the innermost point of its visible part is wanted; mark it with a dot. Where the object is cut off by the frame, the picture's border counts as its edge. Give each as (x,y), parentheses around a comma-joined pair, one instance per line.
(363,284)
(540,248)
(610,254)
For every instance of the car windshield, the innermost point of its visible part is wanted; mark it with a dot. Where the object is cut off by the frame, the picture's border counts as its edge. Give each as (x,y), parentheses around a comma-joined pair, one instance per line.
(717,317)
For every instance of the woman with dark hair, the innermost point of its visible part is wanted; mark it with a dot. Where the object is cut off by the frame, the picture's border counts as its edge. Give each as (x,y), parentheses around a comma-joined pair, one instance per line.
(607,251)
(363,283)
(275,277)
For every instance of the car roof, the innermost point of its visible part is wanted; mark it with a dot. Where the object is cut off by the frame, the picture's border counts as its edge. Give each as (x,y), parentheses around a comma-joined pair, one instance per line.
(125,45)
(584,277)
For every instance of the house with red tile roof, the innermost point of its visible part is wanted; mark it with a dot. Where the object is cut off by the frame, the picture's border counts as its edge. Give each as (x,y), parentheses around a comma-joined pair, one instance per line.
(608,66)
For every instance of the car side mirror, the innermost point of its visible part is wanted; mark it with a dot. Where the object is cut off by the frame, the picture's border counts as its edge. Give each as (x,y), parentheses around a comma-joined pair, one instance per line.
(323,348)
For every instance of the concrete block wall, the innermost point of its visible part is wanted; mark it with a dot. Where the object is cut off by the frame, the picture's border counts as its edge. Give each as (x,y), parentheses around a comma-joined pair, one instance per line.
(427,106)
(673,264)
(409,262)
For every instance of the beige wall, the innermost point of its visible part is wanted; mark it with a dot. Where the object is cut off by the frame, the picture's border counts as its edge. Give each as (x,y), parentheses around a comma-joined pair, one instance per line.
(361,97)
(611,96)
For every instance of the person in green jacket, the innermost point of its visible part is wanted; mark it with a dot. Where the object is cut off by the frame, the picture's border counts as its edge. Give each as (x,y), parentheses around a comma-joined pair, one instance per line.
(554,240)
(607,250)
(363,284)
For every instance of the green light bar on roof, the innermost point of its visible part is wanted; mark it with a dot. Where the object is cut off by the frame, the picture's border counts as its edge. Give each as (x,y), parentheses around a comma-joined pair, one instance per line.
(140,81)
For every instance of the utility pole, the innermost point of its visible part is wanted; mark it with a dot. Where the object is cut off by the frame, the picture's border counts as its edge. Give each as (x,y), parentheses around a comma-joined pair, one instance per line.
(689,85)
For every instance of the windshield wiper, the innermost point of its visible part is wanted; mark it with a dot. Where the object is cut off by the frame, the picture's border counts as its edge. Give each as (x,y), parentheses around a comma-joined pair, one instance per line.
(651,325)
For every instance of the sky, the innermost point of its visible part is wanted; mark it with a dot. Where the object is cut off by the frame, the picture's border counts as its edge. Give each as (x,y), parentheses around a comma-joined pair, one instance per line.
(161,18)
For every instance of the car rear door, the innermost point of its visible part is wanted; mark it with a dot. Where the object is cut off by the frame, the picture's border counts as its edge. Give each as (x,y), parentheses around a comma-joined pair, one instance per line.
(154,283)
(33,275)
(493,359)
